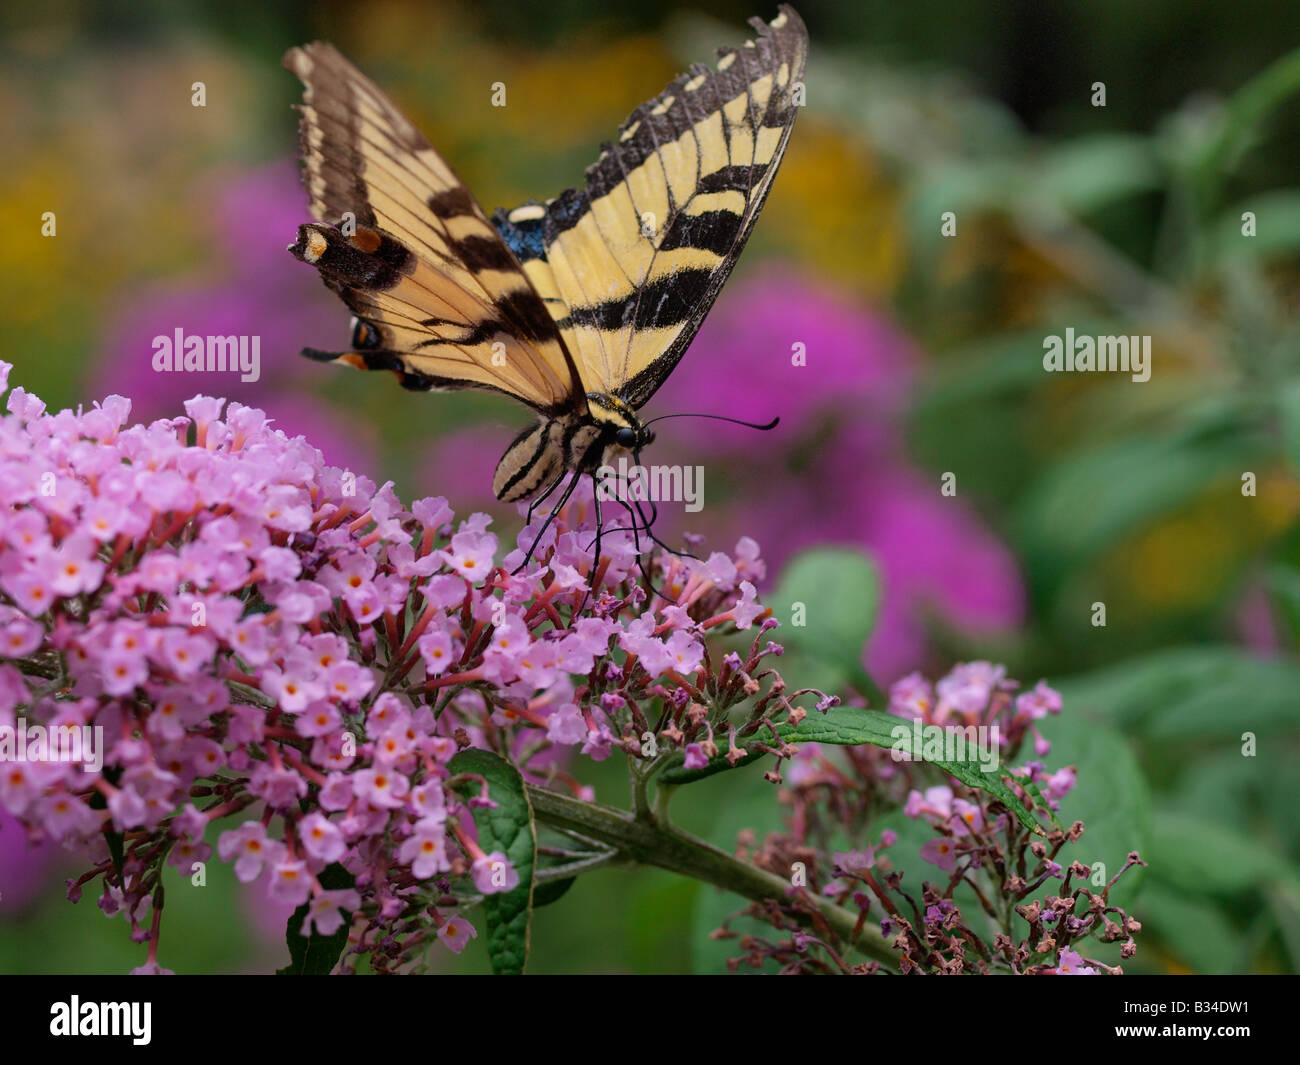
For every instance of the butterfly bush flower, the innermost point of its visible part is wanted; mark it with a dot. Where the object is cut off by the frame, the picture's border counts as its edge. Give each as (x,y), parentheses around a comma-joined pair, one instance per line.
(279,658)
(995,897)
(978,694)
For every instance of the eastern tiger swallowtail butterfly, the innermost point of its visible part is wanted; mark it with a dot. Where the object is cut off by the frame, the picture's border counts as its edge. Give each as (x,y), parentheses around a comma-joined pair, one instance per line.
(579,307)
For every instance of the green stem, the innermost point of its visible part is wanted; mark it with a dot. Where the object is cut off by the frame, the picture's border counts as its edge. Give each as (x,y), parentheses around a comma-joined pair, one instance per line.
(667,847)
(640,791)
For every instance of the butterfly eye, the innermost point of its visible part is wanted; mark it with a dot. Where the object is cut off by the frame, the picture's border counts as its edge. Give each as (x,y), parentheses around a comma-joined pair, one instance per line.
(626,437)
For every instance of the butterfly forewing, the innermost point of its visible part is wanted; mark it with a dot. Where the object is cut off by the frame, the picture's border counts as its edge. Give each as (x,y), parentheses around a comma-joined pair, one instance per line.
(441,298)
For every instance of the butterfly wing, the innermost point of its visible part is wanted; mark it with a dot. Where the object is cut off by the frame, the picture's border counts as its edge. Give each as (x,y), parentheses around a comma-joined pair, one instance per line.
(439,297)
(630,264)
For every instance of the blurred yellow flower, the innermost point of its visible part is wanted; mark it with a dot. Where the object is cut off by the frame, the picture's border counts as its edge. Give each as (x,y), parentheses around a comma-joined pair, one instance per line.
(1188,559)
(834,208)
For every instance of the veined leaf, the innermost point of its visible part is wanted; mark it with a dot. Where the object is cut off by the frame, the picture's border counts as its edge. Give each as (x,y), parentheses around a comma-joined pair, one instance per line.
(848,726)
(317,954)
(507,828)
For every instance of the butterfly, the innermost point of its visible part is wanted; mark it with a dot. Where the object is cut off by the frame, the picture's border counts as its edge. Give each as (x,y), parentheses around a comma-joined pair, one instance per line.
(579,307)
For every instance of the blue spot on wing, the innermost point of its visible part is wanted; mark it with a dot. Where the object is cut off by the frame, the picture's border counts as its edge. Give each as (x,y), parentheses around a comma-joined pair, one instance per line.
(522,238)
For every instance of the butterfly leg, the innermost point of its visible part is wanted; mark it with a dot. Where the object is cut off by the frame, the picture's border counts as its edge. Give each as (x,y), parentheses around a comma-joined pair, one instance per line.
(638,521)
(654,517)
(640,556)
(539,500)
(600,528)
(564,498)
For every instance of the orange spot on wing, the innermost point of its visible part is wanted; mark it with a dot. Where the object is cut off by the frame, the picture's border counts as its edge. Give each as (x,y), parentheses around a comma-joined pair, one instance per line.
(366,239)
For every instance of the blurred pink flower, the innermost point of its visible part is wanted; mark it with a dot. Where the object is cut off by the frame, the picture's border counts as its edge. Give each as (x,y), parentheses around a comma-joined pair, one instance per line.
(25,867)
(459,464)
(1255,621)
(835,470)
(256,292)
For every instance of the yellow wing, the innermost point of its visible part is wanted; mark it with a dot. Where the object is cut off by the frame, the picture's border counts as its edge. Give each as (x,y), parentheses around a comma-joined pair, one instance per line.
(630,264)
(439,297)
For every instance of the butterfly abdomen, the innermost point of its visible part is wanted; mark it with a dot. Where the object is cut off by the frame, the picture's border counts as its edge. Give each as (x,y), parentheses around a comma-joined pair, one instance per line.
(544,451)
(534,458)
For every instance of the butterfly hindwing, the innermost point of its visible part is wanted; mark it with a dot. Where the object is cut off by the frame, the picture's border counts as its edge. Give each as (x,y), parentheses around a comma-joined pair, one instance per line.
(630,264)
(439,297)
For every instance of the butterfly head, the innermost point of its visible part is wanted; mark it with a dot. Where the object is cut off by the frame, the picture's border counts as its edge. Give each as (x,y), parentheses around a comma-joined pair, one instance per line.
(633,438)
(620,429)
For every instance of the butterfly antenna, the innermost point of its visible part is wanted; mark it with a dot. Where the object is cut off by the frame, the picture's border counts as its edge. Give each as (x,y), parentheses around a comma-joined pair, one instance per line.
(719,418)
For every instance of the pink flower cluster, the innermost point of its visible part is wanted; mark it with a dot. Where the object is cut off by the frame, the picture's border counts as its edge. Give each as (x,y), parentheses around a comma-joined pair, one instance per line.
(976,844)
(233,628)
(975,694)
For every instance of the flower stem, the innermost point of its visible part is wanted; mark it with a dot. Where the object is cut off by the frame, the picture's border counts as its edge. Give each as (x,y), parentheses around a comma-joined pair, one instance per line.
(667,847)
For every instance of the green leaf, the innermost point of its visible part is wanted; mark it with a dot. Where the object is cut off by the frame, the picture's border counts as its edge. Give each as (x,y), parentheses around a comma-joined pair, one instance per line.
(849,726)
(507,828)
(1282,583)
(826,601)
(551,891)
(1194,930)
(1289,408)
(968,187)
(1246,111)
(1277,227)
(1204,859)
(983,370)
(751,805)
(1111,797)
(1284,906)
(1084,505)
(317,954)
(1087,173)
(1229,790)
(1186,693)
